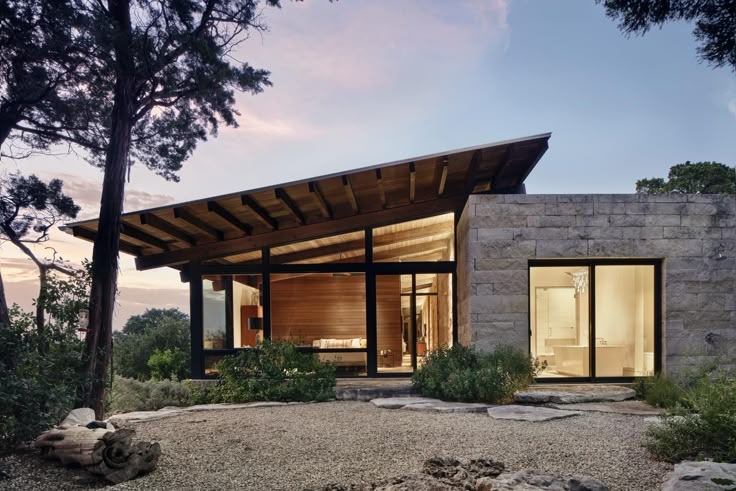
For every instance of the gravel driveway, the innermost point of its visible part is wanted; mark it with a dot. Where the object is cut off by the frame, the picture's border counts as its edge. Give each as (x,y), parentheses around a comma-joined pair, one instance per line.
(298,446)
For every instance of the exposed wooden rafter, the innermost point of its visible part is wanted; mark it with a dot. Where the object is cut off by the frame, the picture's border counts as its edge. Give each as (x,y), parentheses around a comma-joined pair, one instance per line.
(282,195)
(90,235)
(412,182)
(282,236)
(381,189)
(183,214)
(219,210)
(143,236)
(322,203)
(501,167)
(472,174)
(350,194)
(443,177)
(260,212)
(166,227)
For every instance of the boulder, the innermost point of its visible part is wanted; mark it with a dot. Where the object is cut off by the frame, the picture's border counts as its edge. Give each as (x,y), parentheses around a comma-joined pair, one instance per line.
(701,476)
(399,402)
(531,480)
(529,413)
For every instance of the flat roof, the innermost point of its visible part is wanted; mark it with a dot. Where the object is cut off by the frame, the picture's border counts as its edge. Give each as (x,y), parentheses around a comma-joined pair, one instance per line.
(231,224)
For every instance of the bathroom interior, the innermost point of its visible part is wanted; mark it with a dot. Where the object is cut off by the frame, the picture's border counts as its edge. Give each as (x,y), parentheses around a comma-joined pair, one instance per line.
(562,320)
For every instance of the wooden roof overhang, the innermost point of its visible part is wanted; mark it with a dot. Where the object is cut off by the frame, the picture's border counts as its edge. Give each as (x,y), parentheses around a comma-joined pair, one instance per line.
(221,226)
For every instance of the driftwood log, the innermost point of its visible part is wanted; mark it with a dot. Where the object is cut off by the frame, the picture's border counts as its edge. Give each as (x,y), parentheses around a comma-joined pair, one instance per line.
(98,447)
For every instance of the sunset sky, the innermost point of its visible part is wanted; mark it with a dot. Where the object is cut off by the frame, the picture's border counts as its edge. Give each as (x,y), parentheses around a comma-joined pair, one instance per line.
(363,82)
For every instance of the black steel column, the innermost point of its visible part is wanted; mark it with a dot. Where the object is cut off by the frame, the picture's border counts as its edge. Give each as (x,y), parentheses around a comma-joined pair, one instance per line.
(370,307)
(266,258)
(227,281)
(413,311)
(591,317)
(196,320)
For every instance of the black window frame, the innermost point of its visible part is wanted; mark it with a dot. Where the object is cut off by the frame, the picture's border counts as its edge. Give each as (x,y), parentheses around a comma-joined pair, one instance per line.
(591,263)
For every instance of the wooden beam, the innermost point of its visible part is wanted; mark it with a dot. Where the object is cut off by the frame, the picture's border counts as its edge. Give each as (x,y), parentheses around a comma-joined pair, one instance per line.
(381,189)
(183,214)
(260,212)
(425,247)
(282,195)
(351,195)
(322,203)
(219,210)
(471,177)
(143,236)
(501,167)
(166,227)
(126,247)
(284,236)
(443,177)
(412,182)
(438,229)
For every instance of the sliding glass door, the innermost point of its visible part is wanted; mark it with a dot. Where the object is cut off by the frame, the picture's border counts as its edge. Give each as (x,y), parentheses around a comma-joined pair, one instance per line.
(591,320)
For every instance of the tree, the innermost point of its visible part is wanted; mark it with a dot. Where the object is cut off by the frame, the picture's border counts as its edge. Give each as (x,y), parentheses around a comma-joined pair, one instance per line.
(154,331)
(29,207)
(698,177)
(175,75)
(715,23)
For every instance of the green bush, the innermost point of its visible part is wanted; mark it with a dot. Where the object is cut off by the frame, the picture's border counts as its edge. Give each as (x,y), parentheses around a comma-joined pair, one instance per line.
(702,425)
(659,391)
(39,375)
(463,374)
(273,371)
(134,395)
(166,364)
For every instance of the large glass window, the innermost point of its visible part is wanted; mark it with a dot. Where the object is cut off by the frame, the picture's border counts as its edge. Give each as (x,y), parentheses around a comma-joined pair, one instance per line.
(325,312)
(232,311)
(427,239)
(214,312)
(620,330)
(624,321)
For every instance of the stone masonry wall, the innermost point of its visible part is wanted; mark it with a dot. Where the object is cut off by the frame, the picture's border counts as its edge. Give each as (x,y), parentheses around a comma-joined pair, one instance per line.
(695,234)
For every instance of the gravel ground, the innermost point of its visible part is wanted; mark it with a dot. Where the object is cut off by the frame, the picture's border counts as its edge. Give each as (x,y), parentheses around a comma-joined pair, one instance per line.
(294,447)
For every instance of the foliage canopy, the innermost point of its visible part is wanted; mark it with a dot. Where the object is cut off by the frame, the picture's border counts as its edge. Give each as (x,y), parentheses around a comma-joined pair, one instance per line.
(692,178)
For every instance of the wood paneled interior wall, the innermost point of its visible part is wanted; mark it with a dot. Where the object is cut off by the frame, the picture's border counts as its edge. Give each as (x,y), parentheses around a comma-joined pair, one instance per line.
(388,316)
(309,307)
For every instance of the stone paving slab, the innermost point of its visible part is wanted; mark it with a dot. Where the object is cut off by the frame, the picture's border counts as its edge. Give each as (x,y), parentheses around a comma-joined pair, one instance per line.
(701,476)
(635,408)
(448,407)
(529,413)
(573,394)
(399,402)
(167,412)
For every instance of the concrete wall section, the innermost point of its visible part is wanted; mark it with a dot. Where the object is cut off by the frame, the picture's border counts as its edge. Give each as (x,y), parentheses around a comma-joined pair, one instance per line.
(694,234)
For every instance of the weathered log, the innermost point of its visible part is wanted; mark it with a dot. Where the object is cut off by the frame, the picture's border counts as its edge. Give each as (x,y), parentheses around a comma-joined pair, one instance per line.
(98,447)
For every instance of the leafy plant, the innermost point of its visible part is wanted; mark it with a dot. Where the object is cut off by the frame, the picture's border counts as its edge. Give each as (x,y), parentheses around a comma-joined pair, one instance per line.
(134,395)
(659,391)
(39,373)
(464,374)
(274,371)
(701,426)
(167,364)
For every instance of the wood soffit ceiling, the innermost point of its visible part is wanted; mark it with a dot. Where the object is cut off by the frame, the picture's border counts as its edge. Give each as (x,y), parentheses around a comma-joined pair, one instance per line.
(233,224)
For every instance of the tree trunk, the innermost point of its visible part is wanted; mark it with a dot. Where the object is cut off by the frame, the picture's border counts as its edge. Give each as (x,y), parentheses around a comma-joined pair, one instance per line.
(107,243)
(41,301)
(4,312)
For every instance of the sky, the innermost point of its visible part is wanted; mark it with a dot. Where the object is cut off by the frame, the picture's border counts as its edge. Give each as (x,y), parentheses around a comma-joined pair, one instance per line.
(361,82)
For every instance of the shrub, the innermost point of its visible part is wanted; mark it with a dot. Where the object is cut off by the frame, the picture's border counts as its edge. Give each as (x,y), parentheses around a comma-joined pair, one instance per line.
(273,371)
(39,375)
(463,374)
(701,426)
(166,364)
(659,391)
(134,395)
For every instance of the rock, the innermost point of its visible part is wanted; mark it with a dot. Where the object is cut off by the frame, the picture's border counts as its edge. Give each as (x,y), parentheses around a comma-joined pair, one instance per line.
(573,394)
(529,413)
(531,480)
(448,407)
(701,476)
(399,402)
(636,408)
(79,416)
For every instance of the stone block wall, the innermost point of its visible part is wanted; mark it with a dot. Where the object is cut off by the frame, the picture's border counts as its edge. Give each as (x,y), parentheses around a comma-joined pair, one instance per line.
(694,234)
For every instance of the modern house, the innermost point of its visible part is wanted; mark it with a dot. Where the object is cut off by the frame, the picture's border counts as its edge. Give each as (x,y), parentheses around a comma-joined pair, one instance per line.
(376,267)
